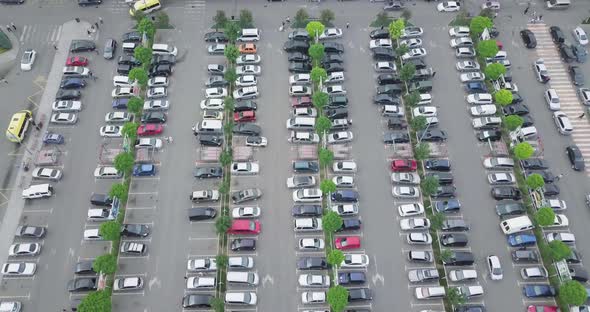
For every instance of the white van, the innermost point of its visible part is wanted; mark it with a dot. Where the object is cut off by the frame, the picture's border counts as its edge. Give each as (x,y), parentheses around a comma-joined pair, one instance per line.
(208,126)
(301,123)
(242,278)
(249,34)
(100,214)
(122,81)
(558,4)
(433,292)
(38,191)
(308,224)
(129,47)
(241,298)
(516,225)
(160,48)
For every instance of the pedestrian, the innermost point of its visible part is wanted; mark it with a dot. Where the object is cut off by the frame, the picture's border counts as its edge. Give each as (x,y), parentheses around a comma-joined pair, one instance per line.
(88,31)
(8,28)
(100,20)
(557,178)
(534,14)
(526,10)
(347,25)
(582,116)
(185,278)
(55,47)
(382,27)
(96,24)
(283,23)
(64,310)
(90,74)
(540,18)
(170,139)
(433,73)
(288,20)
(13,26)
(77,20)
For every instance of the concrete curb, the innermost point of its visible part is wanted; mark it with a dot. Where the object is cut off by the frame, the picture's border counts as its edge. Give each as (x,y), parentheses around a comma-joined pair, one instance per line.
(8,59)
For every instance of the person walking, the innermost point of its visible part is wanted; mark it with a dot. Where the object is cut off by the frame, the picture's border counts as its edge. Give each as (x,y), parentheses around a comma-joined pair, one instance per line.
(77,20)
(13,26)
(582,116)
(55,47)
(8,28)
(526,10)
(347,25)
(540,18)
(96,24)
(100,20)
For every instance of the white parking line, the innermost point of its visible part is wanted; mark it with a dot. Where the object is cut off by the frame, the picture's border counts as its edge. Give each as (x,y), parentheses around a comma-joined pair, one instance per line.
(201,238)
(28,297)
(141,208)
(128,293)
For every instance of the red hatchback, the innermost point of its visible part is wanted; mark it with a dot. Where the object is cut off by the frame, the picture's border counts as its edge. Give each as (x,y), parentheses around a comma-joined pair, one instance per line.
(542,308)
(149,129)
(301,101)
(77,61)
(244,227)
(245,116)
(403,165)
(348,242)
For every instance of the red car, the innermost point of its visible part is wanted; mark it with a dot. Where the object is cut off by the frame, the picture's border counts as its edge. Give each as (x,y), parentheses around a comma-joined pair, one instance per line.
(149,129)
(244,227)
(77,61)
(403,165)
(249,115)
(348,242)
(542,308)
(301,101)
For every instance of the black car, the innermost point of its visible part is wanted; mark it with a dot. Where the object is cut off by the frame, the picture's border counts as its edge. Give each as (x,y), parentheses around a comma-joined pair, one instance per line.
(396,137)
(84,267)
(312,263)
(299,67)
(72,83)
(193,301)
(297,57)
(352,278)
(64,95)
(241,244)
(359,294)
(216,36)
(548,176)
(379,34)
(579,274)
(135,230)
(333,67)
(216,82)
(444,178)
(301,35)
(132,36)
(516,109)
(83,284)
(390,89)
(161,70)
(577,75)
(307,210)
(528,38)
(527,120)
(556,34)
(304,166)
(447,206)
(575,157)
(470,308)
(89,2)
(201,213)
(580,53)
(123,69)
(460,258)
(29,231)
(296,46)
(350,224)
(383,54)
(336,113)
(550,189)
(453,240)
(163,59)
(82,46)
(332,58)
(491,135)
(432,135)
(210,140)
(345,196)
(509,208)
(337,101)
(397,123)
(247,128)
(418,63)
(394,6)
(207,171)
(505,192)
(153,117)
(128,60)
(525,255)
(454,225)
(566,52)
(444,191)
(254,140)
(384,79)
(333,47)
(438,164)
(534,164)
(247,105)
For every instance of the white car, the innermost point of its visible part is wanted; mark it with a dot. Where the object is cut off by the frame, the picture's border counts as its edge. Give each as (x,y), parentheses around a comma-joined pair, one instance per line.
(465,52)
(216,69)
(461,42)
(405,178)
(300,79)
(313,297)
(256,141)
(448,6)
(304,112)
(470,291)
(111,131)
(118,117)
(560,221)
(148,143)
(120,92)
(107,172)
(157,92)
(304,137)
(409,224)
(467,66)
(411,43)
(483,110)
(212,114)
(346,210)
(64,118)
(340,137)
(584,95)
(462,275)
(66,106)
(473,76)
(156,105)
(28,59)
(408,210)
(246,93)
(24,250)
(385,67)
(344,167)
(299,90)
(201,265)
(495,268)
(425,111)
(580,35)
(299,181)
(248,70)
(248,59)
(501,178)
(218,48)
(158,82)
(307,195)
(343,181)
(565,237)
(122,81)
(128,283)
(425,99)
(355,261)
(563,123)
(459,31)
(246,81)
(556,204)
(541,72)
(480,99)
(380,43)
(503,163)
(19,269)
(214,104)
(215,93)
(244,168)
(405,191)
(552,99)
(417,238)
(334,90)
(414,53)
(411,32)
(311,244)
(245,212)
(47,174)
(200,282)
(92,235)
(331,33)
(335,77)
(534,272)
(314,280)
(240,263)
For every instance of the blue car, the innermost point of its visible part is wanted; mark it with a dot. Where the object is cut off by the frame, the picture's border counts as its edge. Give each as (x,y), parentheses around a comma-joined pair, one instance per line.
(521,240)
(347,196)
(53,138)
(538,291)
(143,170)
(476,87)
(120,103)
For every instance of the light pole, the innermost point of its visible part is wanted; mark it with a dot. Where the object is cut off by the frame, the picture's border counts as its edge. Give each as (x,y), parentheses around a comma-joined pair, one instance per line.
(424,132)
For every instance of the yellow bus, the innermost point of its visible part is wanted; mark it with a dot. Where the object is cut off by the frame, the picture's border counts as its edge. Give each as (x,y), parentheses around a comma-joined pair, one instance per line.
(19,123)
(145,6)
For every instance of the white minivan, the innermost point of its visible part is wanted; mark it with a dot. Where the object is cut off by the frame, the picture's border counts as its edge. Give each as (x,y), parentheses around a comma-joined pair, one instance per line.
(516,225)
(249,35)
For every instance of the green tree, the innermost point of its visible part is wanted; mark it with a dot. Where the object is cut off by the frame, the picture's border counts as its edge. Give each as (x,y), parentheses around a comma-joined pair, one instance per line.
(224,188)
(429,185)
(228,126)
(478,24)
(407,71)
(232,31)
(231,53)
(535,181)
(419,123)
(511,122)
(545,216)
(327,186)
(337,298)
(494,71)
(331,222)
(225,158)
(412,98)
(219,20)
(325,156)
(573,293)
(319,100)
(322,125)
(445,255)
(422,151)
(221,261)
(300,19)
(558,250)
(487,48)
(401,50)
(229,103)
(327,17)
(316,52)
(246,19)
(137,17)
(144,55)
(110,230)
(217,304)
(523,151)
(454,297)
(162,21)
(140,75)
(119,190)
(318,74)
(487,13)
(381,20)
(335,257)
(96,301)
(503,97)
(437,220)
(230,75)
(314,28)
(124,162)
(147,27)
(130,130)
(222,224)
(106,263)
(396,27)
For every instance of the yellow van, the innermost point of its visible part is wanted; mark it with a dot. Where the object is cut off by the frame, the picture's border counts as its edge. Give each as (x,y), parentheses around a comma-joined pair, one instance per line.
(145,6)
(19,123)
